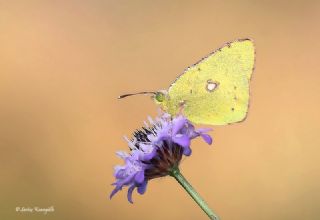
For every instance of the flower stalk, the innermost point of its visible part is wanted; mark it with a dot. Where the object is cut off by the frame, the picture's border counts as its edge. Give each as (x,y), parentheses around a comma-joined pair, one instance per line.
(175,172)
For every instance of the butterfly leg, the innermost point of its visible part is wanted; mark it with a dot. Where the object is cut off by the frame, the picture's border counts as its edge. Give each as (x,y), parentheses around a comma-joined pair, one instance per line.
(181,107)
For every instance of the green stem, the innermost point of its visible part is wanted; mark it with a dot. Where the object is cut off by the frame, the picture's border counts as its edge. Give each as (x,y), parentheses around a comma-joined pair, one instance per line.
(195,196)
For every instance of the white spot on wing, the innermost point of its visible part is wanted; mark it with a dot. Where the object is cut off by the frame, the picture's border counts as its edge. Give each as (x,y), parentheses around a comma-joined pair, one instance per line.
(211,86)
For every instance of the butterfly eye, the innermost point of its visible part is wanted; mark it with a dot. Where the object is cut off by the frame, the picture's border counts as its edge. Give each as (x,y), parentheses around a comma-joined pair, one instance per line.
(160,96)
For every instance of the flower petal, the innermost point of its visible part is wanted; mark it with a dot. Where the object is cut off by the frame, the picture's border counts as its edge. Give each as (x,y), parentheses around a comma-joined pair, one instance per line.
(177,124)
(207,138)
(139,177)
(162,134)
(114,192)
(130,191)
(122,154)
(203,130)
(187,151)
(150,155)
(120,174)
(142,188)
(125,181)
(182,140)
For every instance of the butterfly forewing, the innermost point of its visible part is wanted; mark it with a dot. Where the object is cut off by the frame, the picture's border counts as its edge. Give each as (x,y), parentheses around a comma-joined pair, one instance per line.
(215,90)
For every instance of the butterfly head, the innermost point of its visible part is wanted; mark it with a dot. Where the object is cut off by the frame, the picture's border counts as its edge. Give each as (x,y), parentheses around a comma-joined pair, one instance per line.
(161,99)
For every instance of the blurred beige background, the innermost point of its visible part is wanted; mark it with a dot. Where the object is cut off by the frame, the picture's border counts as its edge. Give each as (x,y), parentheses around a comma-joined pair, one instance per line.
(63,63)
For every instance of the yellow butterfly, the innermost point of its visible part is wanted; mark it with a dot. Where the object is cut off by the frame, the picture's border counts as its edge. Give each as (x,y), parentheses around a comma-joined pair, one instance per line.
(215,90)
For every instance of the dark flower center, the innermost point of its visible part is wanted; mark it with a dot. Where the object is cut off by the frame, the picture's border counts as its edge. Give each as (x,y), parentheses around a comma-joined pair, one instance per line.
(168,157)
(142,135)
(168,154)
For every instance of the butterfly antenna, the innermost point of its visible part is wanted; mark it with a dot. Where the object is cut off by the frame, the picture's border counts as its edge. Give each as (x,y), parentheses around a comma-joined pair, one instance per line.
(138,93)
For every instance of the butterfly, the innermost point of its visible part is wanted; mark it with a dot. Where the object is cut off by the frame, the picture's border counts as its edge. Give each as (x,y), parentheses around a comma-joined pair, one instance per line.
(215,90)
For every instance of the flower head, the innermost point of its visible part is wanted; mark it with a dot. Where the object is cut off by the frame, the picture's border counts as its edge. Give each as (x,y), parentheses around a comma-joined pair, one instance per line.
(155,151)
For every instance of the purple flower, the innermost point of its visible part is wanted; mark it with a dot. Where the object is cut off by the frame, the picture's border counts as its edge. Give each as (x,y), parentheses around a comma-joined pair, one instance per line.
(181,132)
(155,151)
(131,174)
